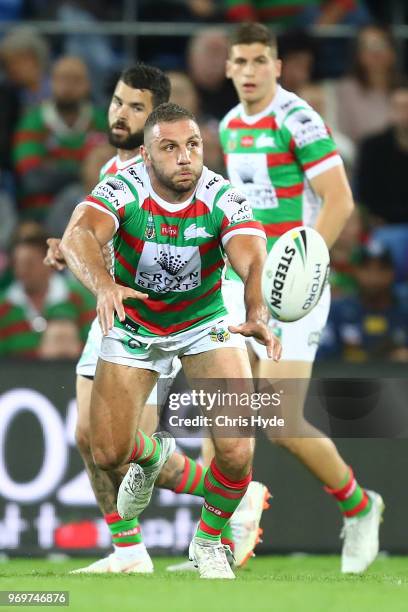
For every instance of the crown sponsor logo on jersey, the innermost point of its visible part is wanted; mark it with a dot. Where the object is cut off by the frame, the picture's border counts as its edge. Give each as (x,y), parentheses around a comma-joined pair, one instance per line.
(168,267)
(265,142)
(192,231)
(115,184)
(107,193)
(150,231)
(247,141)
(173,264)
(219,334)
(169,230)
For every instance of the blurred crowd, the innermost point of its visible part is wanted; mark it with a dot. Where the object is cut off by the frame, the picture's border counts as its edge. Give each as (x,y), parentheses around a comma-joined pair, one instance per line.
(54,93)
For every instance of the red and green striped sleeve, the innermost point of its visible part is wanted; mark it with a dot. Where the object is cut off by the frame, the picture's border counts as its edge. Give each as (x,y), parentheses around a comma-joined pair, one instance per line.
(311,141)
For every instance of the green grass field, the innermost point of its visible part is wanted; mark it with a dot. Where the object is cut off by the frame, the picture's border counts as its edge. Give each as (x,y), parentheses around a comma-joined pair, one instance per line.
(267,583)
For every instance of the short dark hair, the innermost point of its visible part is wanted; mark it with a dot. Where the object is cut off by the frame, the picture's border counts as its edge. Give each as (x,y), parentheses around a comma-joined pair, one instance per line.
(37,241)
(248,33)
(168,113)
(142,76)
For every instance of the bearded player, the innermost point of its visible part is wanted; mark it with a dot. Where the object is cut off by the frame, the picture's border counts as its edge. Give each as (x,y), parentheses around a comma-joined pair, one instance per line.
(139,90)
(279,152)
(149,314)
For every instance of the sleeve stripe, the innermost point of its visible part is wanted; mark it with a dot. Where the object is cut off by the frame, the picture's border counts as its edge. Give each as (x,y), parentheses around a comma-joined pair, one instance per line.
(326,164)
(249,231)
(242,225)
(102,209)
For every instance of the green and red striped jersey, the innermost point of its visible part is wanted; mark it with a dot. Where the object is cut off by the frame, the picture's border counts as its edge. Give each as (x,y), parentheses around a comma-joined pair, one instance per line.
(270,158)
(22,326)
(115,165)
(172,252)
(43,140)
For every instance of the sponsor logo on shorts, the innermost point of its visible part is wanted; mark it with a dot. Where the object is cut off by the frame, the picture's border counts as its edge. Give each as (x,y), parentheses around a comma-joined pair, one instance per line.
(219,334)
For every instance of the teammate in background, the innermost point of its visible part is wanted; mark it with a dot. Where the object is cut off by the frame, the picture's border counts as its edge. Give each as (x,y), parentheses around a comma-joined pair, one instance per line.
(280,154)
(138,91)
(163,301)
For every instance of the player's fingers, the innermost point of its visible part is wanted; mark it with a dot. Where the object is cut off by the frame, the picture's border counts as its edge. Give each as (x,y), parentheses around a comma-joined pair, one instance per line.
(118,306)
(102,321)
(133,294)
(236,329)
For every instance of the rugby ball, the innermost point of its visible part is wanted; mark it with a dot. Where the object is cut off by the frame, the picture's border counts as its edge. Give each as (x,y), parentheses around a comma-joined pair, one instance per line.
(295,273)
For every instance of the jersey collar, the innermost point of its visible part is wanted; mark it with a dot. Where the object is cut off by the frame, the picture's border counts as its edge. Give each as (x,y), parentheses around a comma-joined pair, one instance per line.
(170,207)
(121,165)
(252,119)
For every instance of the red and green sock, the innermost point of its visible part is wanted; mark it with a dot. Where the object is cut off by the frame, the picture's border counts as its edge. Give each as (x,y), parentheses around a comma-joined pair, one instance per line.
(124,533)
(192,483)
(352,499)
(221,497)
(146,450)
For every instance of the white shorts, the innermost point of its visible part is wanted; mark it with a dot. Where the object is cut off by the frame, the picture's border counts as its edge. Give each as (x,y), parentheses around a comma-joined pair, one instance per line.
(300,339)
(161,354)
(86,365)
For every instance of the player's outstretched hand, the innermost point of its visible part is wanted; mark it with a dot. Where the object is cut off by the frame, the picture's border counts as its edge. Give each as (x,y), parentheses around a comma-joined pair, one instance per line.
(110,299)
(261,332)
(54,258)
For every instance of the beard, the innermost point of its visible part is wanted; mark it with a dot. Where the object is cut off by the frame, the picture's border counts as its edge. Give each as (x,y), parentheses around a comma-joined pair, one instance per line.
(170,183)
(129,142)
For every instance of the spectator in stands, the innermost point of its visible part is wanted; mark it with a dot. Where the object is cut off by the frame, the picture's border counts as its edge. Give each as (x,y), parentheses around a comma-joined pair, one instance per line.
(315,95)
(381,180)
(382,170)
(206,56)
(36,296)
(292,13)
(363,97)
(297,50)
(184,92)
(374,323)
(60,340)
(52,140)
(68,198)
(25,55)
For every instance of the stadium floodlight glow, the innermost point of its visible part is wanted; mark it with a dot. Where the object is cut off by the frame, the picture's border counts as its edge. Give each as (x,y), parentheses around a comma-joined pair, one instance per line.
(55,448)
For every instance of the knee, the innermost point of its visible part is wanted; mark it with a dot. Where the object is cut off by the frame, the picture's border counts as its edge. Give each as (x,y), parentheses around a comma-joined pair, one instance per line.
(236,456)
(109,458)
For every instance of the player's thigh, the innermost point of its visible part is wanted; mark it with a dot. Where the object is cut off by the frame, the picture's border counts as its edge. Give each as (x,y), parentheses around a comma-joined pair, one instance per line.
(222,363)
(118,397)
(83,396)
(226,365)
